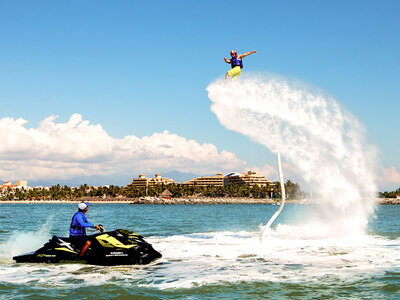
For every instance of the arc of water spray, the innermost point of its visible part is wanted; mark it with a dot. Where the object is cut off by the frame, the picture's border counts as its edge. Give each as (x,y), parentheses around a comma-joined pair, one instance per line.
(276,214)
(325,139)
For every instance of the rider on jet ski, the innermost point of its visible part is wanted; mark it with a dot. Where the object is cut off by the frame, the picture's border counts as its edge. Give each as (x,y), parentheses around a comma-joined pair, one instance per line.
(77,230)
(117,247)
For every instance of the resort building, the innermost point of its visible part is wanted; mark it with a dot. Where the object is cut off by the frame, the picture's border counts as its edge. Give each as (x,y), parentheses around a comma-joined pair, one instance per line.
(21,183)
(7,185)
(142,181)
(216,180)
(250,178)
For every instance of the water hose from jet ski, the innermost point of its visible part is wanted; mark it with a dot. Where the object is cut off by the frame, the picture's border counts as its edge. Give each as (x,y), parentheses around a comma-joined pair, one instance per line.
(276,214)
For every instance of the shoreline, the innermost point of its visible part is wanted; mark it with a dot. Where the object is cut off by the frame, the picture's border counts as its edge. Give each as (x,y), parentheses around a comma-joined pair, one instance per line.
(182,201)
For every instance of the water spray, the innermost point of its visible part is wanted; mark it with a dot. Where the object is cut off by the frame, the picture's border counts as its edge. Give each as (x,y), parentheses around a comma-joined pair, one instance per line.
(320,139)
(276,214)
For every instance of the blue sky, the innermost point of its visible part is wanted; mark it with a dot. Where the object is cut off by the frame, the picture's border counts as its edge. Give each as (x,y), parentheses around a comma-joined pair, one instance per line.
(141,67)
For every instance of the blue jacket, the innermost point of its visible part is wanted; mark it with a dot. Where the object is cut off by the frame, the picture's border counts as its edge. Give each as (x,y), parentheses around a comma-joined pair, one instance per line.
(79,224)
(236,62)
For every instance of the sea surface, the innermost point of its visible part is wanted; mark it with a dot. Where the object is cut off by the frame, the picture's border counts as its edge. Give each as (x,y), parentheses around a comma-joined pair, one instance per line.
(209,252)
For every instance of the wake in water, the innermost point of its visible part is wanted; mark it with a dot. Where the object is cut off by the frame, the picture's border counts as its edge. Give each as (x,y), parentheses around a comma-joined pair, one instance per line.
(217,258)
(25,241)
(319,138)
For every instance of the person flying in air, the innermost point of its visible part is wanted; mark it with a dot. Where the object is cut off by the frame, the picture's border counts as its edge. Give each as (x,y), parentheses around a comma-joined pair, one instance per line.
(77,231)
(236,64)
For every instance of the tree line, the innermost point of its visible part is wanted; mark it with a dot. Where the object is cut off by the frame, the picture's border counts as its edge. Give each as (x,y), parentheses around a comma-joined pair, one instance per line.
(58,192)
(393,194)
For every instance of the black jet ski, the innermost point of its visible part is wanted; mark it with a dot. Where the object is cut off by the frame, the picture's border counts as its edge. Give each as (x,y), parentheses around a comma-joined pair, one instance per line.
(118,247)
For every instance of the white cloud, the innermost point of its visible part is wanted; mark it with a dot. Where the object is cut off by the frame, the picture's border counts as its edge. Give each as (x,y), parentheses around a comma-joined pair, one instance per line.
(390,176)
(78,148)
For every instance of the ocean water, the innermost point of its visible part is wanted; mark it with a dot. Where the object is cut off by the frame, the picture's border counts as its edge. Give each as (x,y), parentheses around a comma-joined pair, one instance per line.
(209,252)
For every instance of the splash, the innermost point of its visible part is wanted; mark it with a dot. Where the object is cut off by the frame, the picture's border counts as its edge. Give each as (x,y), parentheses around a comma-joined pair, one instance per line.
(319,138)
(25,241)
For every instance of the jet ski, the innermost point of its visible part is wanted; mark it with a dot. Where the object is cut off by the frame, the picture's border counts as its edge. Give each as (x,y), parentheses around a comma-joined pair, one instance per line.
(118,247)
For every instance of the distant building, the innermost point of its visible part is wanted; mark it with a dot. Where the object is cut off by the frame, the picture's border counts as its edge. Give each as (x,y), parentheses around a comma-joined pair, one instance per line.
(142,181)
(166,194)
(216,180)
(7,185)
(250,178)
(21,183)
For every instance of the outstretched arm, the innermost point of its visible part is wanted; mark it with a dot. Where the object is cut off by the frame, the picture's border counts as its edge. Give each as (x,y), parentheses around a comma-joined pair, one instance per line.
(240,56)
(227,61)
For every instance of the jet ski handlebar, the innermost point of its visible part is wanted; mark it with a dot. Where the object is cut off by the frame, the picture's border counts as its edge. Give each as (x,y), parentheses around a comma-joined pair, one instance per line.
(101,228)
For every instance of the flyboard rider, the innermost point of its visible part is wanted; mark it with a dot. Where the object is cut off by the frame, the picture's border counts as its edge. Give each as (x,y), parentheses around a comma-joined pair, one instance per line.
(236,64)
(77,230)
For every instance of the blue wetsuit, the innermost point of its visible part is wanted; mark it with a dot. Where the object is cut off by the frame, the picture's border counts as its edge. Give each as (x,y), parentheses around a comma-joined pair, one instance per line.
(79,223)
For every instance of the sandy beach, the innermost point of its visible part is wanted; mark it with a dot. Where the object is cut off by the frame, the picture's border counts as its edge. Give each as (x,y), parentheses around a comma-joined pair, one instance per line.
(181,201)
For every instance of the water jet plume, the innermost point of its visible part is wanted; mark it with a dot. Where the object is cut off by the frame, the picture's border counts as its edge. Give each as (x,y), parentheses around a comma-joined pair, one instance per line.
(323,141)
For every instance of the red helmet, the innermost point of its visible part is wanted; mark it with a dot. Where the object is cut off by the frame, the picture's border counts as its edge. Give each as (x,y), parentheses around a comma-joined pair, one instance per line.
(233,52)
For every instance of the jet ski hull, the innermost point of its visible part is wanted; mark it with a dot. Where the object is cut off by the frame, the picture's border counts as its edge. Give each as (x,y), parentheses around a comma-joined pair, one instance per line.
(118,247)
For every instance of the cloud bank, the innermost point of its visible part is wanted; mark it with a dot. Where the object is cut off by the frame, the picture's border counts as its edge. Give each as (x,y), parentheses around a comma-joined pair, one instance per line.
(390,178)
(74,151)
(77,148)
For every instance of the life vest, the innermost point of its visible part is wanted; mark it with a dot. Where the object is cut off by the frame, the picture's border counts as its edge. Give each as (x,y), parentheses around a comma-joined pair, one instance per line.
(236,62)
(77,229)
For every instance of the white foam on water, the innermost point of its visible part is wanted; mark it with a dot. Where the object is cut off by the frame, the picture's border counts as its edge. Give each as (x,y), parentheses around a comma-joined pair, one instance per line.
(324,143)
(289,255)
(25,241)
